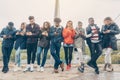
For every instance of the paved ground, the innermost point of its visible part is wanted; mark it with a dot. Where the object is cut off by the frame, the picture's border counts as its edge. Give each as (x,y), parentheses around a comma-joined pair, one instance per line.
(73,74)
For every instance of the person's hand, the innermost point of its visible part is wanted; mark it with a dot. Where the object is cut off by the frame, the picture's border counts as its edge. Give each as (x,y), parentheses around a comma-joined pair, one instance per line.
(17,33)
(46,34)
(55,33)
(80,33)
(106,32)
(4,36)
(22,33)
(29,33)
(43,33)
(9,36)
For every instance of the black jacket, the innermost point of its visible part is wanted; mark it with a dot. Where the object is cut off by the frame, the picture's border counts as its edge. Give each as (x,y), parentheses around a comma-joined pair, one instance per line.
(44,41)
(110,39)
(35,33)
(20,41)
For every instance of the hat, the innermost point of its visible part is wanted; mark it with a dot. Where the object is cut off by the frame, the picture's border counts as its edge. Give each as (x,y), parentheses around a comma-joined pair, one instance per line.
(11,24)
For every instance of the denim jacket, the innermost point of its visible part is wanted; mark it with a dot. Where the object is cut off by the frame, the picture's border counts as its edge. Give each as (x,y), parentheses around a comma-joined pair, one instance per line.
(59,37)
(8,42)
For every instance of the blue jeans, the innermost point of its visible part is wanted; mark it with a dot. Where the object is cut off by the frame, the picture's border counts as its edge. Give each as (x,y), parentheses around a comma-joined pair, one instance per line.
(17,57)
(44,56)
(55,52)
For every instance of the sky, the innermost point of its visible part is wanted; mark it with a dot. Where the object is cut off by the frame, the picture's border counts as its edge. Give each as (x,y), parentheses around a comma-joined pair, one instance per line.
(43,10)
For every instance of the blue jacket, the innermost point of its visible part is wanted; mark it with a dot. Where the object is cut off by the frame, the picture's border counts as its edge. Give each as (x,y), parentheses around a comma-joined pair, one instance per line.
(8,42)
(21,41)
(56,38)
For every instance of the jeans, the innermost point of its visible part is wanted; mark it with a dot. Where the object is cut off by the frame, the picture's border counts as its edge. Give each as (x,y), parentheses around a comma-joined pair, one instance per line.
(18,57)
(55,52)
(31,52)
(6,51)
(96,51)
(68,54)
(81,57)
(44,56)
(108,52)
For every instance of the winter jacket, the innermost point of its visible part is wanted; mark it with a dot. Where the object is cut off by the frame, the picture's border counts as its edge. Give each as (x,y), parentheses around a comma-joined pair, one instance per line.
(35,33)
(56,38)
(21,41)
(79,39)
(89,31)
(109,40)
(68,35)
(9,41)
(44,41)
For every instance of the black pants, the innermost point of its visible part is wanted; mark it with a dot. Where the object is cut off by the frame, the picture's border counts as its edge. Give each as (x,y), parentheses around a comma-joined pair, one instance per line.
(6,51)
(68,54)
(31,52)
(96,51)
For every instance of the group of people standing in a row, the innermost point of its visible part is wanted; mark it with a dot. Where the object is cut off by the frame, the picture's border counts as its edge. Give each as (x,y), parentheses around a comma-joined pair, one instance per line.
(37,40)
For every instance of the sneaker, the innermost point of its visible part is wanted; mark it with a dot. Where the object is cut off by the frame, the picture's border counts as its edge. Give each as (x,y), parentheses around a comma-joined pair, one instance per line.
(6,70)
(81,68)
(68,68)
(97,71)
(31,68)
(42,69)
(27,69)
(38,68)
(56,71)
(3,69)
(70,65)
(16,68)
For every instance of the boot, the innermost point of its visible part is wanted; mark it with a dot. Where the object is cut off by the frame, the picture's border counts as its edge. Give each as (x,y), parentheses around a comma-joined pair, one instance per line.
(110,68)
(56,71)
(81,68)
(105,67)
(62,66)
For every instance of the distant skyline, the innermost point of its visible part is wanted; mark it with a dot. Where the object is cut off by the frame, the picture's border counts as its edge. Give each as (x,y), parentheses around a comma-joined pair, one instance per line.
(75,10)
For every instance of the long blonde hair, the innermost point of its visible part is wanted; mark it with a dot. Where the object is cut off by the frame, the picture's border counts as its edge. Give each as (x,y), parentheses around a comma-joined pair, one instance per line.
(71,24)
(24,28)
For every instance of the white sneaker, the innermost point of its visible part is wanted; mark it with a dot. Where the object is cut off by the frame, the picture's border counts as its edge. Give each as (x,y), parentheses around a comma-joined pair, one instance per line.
(38,68)
(32,68)
(16,68)
(27,68)
(42,69)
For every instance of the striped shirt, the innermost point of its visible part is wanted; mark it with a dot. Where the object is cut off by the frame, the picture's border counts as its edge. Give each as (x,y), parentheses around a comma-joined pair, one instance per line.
(95,36)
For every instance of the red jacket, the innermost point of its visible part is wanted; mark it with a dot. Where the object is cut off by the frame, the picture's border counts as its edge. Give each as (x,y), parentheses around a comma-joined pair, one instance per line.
(68,35)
